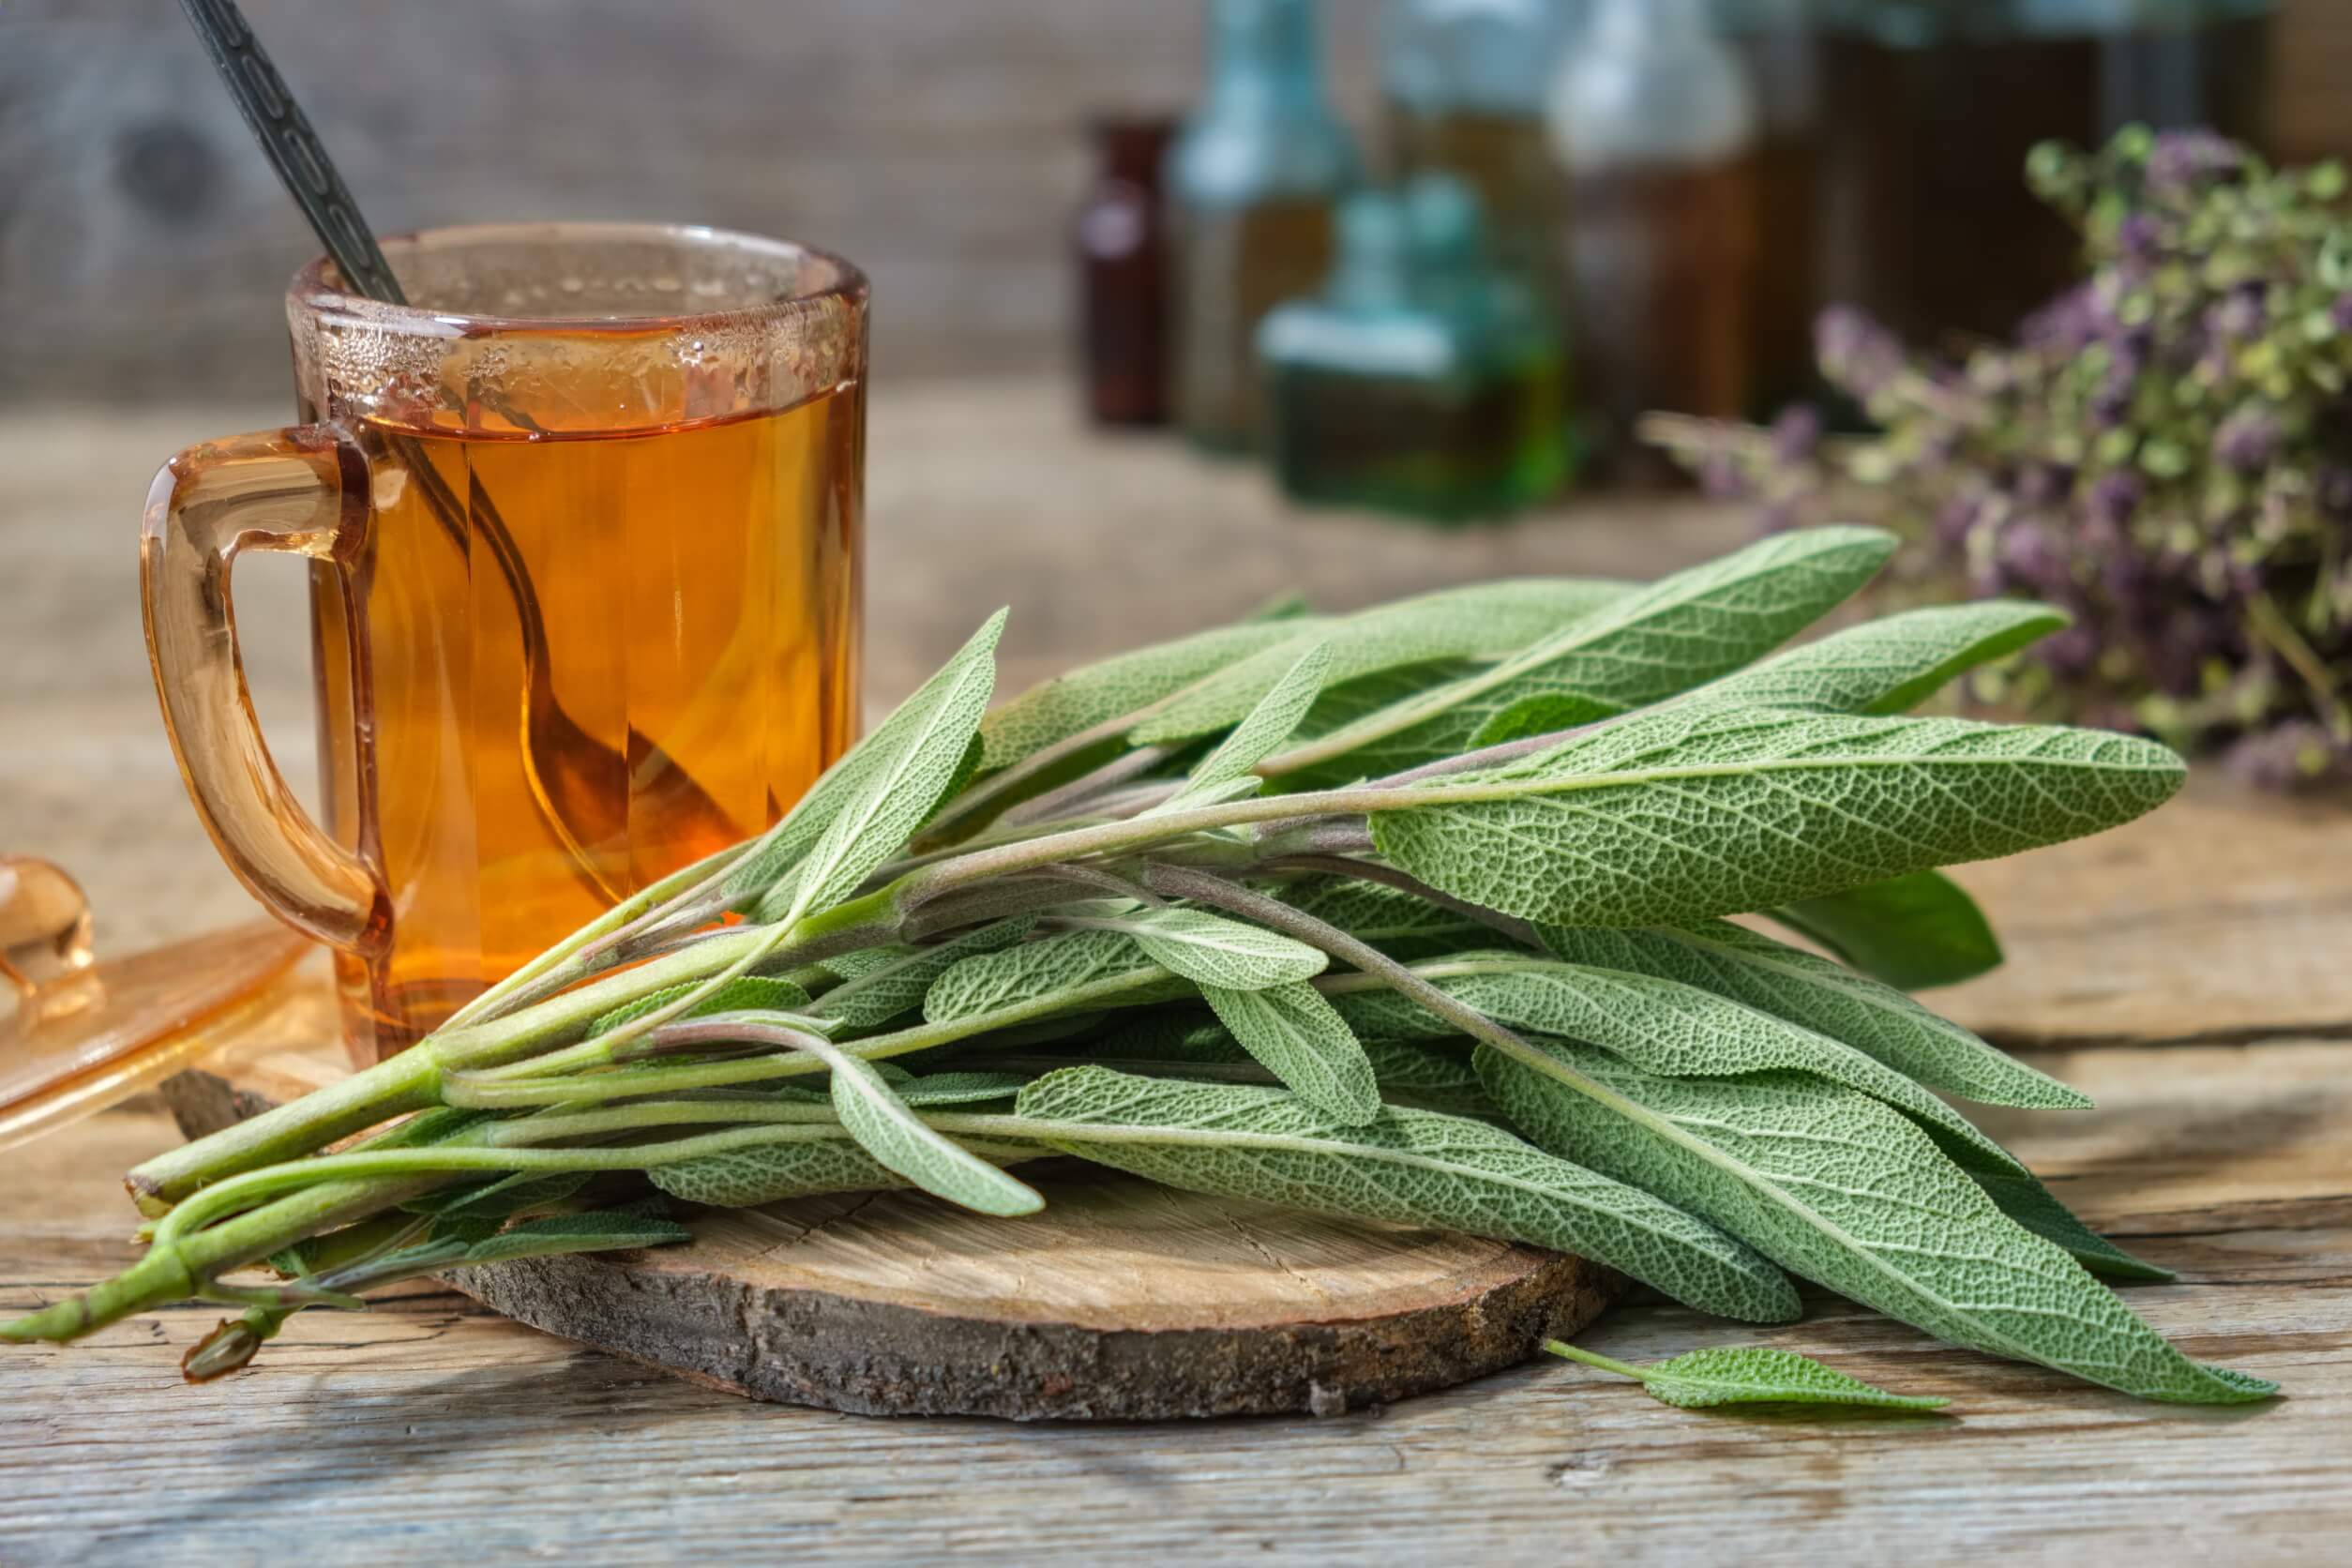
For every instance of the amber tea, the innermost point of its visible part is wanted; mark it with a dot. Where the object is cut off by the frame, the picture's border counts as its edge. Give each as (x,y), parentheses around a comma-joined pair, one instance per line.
(584,591)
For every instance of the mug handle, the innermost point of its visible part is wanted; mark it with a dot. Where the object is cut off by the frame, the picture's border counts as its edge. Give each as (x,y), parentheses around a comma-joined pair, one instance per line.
(304,490)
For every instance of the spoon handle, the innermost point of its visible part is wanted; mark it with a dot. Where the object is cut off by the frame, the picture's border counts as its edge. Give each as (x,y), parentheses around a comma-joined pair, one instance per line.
(293,147)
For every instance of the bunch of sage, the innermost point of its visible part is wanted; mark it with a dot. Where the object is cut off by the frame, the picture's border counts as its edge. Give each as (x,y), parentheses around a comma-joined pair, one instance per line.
(1416,914)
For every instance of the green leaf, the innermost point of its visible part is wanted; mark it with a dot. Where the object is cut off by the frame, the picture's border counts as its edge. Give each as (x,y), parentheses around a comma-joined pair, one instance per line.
(2021,1195)
(900,1141)
(934,1089)
(882,983)
(1409,1167)
(601,1233)
(1911,932)
(1294,1033)
(1072,704)
(1749,1374)
(1428,1077)
(802,1167)
(1484,621)
(1263,728)
(1034,972)
(502,1198)
(1886,665)
(1683,815)
(903,770)
(744,993)
(1400,923)
(1844,1190)
(1806,988)
(1681,631)
(1679,1031)
(1213,950)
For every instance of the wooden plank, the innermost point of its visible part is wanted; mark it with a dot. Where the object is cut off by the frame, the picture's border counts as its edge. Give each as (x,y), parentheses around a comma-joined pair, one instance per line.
(431,1425)
(1121,1301)
(2224,916)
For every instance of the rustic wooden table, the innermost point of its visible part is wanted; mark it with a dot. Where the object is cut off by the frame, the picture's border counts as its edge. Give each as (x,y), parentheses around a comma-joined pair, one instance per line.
(2188,970)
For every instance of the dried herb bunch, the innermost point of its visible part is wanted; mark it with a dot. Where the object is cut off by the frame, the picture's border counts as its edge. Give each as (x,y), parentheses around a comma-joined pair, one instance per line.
(1414,914)
(2166,452)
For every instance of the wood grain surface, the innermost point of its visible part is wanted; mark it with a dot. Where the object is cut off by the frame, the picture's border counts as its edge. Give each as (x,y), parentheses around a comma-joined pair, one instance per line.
(1121,1301)
(2202,958)
(432,1427)
(143,245)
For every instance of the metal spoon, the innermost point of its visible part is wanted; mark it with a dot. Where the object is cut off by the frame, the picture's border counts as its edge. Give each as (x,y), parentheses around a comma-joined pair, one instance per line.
(576,780)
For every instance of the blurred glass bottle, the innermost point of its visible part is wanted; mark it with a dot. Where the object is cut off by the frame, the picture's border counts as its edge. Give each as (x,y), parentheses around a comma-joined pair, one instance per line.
(1251,184)
(1932,105)
(1122,273)
(1465,82)
(1653,123)
(1778,42)
(1390,388)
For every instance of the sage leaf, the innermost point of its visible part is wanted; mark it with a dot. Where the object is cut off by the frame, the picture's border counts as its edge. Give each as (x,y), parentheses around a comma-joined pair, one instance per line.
(882,983)
(1680,632)
(1409,1167)
(1675,1030)
(827,1162)
(1294,1033)
(744,993)
(2021,1195)
(1678,1031)
(1912,932)
(502,1198)
(1213,950)
(1483,622)
(1886,665)
(1844,1190)
(1428,1077)
(1750,1375)
(1673,816)
(1804,988)
(910,761)
(1262,728)
(958,1088)
(1092,695)
(601,1233)
(1400,923)
(902,1141)
(1035,971)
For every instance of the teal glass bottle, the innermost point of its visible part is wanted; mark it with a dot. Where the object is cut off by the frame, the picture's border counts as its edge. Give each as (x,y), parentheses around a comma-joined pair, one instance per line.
(1390,390)
(1251,184)
(1512,329)
(1465,82)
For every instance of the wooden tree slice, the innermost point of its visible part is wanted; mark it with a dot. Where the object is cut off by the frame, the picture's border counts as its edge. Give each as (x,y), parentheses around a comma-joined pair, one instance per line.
(1120,1300)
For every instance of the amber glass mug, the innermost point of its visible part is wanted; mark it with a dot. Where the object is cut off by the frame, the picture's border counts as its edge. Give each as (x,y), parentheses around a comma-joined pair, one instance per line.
(583,522)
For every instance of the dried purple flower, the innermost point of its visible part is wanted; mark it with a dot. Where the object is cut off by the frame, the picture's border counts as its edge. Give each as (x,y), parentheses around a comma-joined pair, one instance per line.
(1796,433)
(2030,557)
(2068,323)
(2240,316)
(2182,160)
(1856,351)
(2247,439)
(2290,756)
(2166,451)
(2114,497)
(2332,488)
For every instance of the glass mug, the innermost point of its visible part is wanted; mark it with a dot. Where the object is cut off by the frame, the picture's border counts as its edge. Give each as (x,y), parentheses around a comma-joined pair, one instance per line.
(583,522)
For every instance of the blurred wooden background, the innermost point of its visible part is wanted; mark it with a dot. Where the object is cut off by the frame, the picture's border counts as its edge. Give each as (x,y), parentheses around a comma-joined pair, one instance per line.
(142,243)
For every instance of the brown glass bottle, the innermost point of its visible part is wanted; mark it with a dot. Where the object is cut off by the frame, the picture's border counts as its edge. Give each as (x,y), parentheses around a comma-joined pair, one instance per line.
(1931,226)
(1506,162)
(1122,243)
